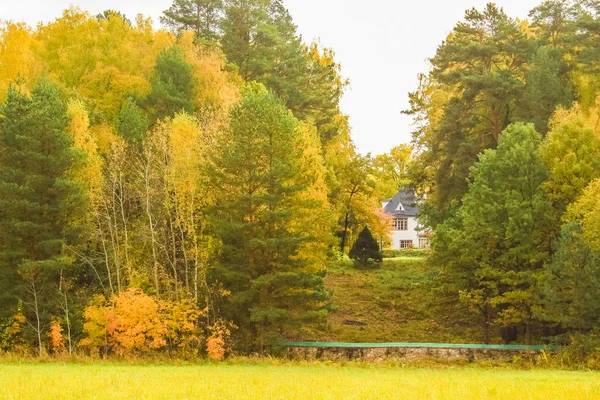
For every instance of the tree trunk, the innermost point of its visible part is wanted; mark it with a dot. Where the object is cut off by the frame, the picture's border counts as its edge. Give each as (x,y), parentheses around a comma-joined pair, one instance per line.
(37,317)
(151,226)
(37,328)
(125,230)
(67,321)
(116,245)
(344,233)
(486,328)
(174,248)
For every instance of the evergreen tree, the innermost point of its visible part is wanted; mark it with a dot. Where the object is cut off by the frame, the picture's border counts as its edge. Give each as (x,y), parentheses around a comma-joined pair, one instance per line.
(571,283)
(38,200)
(172,85)
(260,38)
(366,250)
(494,247)
(201,16)
(266,217)
(131,123)
(547,87)
(476,79)
(244,19)
(106,14)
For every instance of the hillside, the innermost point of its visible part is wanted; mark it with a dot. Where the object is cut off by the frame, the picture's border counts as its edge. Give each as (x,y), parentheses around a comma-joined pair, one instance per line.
(399,302)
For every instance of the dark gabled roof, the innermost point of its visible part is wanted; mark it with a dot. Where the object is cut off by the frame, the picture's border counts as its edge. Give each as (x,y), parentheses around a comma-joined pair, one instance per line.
(409,208)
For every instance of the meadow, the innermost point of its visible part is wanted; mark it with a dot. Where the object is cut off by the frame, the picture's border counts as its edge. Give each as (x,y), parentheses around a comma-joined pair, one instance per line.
(398,302)
(264,380)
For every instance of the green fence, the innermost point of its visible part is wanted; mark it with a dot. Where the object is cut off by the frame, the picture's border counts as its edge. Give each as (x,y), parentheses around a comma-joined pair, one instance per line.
(417,345)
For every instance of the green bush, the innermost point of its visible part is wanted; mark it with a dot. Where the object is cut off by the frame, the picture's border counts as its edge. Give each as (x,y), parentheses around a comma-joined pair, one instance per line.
(407,252)
(577,350)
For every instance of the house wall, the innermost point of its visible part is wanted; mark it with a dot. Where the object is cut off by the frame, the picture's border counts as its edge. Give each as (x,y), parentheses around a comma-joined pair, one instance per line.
(410,234)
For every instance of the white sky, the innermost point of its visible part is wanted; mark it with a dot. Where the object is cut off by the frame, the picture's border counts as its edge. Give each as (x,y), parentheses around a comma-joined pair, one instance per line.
(381,44)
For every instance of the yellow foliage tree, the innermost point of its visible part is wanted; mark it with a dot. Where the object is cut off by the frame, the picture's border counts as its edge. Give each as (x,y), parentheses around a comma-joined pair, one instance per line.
(137,326)
(186,191)
(89,174)
(391,170)
(181,323)
(316,221)
(353,192)
(96,321)
(570,151)
(17,57)
(586,209)
(101,59)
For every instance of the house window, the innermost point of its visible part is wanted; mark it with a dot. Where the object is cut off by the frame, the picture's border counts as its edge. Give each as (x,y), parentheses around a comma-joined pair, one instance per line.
(406,243)
(400,224)
(423,242)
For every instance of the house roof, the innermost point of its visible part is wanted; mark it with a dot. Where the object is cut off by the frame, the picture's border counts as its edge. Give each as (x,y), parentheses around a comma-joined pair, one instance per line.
(403,204)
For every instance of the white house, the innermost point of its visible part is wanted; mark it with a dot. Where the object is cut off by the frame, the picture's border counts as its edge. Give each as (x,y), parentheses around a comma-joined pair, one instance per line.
(404,211)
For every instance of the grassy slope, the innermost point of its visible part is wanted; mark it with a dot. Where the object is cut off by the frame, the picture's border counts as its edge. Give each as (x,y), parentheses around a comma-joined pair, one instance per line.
(398,303)
(262,381)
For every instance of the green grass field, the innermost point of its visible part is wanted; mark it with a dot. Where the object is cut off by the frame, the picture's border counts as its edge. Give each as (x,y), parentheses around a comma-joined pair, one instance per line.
(265,381)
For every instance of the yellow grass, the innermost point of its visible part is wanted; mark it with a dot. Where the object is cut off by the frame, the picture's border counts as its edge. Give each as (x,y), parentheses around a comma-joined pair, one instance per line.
(262,381)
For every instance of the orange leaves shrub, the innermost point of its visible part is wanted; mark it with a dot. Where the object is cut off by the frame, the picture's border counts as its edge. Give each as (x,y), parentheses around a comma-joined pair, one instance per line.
(215,348)
(130,323)
(215,344)
(57,340)
(135,323)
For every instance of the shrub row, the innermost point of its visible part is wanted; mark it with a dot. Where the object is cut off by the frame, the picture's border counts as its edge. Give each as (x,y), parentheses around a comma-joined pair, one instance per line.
(407,252)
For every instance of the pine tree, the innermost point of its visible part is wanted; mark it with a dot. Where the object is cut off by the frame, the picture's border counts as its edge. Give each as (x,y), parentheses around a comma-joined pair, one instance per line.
(260,38)
(476,78)
(38,199)
(131,123)
(172,85)
(200,16)
(365,251)
(265,221)
(106,14)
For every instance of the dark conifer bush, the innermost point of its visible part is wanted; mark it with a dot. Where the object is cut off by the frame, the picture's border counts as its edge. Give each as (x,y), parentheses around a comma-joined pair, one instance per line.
(366,252)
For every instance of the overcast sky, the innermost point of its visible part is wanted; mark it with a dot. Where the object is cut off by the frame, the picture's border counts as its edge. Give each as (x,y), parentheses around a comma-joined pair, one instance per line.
(381,44)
